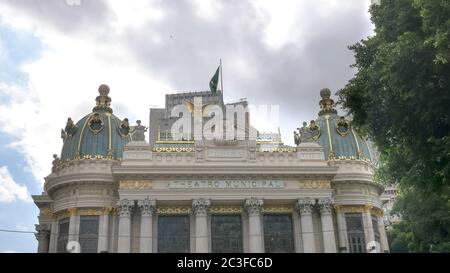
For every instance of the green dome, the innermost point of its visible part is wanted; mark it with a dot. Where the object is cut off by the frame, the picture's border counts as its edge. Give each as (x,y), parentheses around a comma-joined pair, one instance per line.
(334,133)
(99,134)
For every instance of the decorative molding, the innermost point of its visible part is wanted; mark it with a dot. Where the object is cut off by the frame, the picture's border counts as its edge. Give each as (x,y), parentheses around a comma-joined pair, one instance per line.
(125,207)
(253,205)
(46,212)
(173,210)
(200,206)
(378,212)
(349,208)
(305,205)
(147,206)
(135,184)
(368,208)
(277,209)
(72,211)
(226,209)
(90,211)
(315,184)
(325,205)
(107,210)
(61,215)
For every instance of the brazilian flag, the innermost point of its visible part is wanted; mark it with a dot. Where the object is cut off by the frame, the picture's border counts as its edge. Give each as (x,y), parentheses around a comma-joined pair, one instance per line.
(214,82)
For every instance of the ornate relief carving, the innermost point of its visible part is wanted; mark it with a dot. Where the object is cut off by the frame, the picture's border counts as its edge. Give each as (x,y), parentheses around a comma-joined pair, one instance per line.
(147,206)
(368,208)
(90,211)
(200,206)
(107,210)
(61,215)
(125,207)
(42,232)
(315,184)
(378,212)
(305,205)
(173,210)
(72,211)
(349,208)
(225,209)
(45,212)
(277,209)
(253,205)
(135,184)
(325,205)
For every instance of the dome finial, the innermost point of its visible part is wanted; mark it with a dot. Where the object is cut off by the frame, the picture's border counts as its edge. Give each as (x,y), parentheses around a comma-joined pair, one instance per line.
(103,101)
(326,103)
(103,90)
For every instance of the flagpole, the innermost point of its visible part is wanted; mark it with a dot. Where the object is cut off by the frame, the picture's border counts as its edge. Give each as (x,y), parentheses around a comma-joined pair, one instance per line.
(221,77)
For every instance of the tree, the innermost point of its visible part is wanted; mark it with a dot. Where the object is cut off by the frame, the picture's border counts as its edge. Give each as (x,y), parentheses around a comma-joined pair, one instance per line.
(400,96)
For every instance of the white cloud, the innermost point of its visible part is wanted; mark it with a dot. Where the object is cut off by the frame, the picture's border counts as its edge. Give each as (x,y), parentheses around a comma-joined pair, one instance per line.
(10,190)
(63,80)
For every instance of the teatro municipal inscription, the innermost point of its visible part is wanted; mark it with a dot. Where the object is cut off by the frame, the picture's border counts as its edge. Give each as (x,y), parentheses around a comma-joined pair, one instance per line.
(226,184)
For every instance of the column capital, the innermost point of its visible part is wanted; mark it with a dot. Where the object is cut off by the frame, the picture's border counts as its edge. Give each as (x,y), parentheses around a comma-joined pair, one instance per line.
(325,205)
(305,205)
(72,211)
(253,205)
(42,231)
(147,206)
(200,206)
(124,207)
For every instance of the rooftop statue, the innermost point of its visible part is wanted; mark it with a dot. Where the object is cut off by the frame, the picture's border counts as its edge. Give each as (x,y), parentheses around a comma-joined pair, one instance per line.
(139,132)
(307,133)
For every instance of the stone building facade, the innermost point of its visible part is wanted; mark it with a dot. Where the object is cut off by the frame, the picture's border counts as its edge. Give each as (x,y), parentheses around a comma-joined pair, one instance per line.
(112,191)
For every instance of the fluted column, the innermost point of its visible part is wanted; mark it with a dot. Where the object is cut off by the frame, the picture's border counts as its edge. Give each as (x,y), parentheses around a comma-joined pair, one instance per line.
(200,208)
(42,235)
(369,233)
(342,230)
(124,209)
(53,236)
(73,225)
(304,208)
(383,237)
(103,235)
(329,239)
(147,208)
(253,207)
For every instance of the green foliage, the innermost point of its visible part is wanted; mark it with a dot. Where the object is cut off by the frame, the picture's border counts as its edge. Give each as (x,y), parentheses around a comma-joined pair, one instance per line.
(400,96)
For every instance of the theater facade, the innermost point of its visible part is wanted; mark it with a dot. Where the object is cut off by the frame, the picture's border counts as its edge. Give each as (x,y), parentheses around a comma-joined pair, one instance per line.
(114,190)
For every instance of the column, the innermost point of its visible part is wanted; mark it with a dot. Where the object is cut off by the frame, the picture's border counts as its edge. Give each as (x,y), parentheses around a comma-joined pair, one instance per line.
(124,207)
(304,208)
(253,207)
(329,239)
(103,235)
(73,225)
(369,233)
(42,235)
(383,237)
(53,236)
(342,230)
(147,208)
(200,208)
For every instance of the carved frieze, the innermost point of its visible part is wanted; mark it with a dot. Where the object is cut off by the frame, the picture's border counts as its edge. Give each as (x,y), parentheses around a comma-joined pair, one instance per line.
(315,184)
(135,184)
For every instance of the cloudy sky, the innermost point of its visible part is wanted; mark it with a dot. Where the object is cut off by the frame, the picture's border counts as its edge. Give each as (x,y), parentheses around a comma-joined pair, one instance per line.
(55,53)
